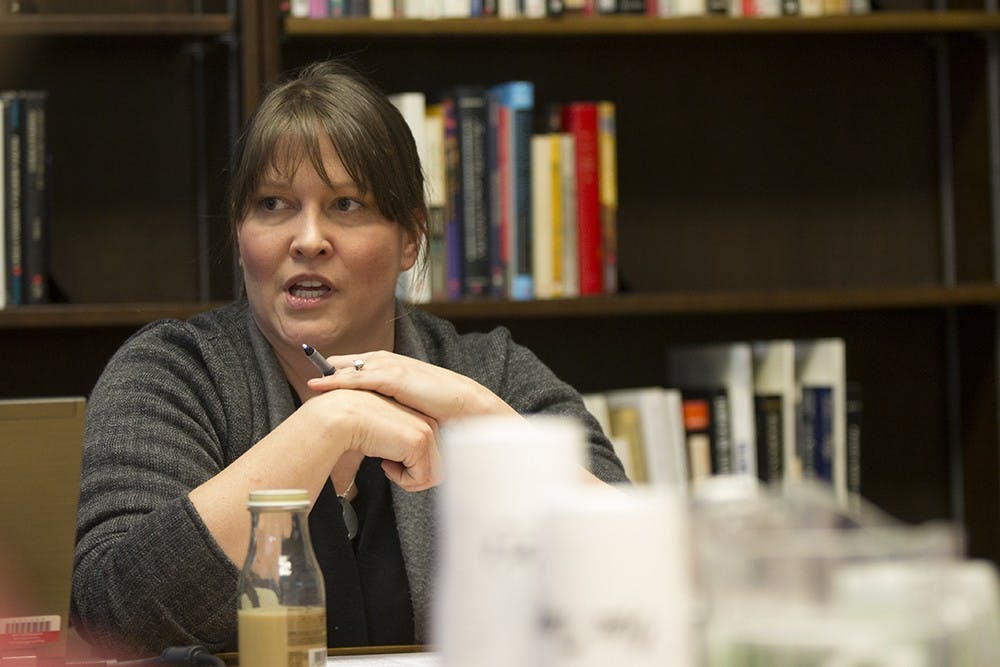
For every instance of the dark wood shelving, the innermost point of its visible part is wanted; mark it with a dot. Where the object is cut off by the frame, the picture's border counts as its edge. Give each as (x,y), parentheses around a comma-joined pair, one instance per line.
(878,22)
(116,24)
(735,302)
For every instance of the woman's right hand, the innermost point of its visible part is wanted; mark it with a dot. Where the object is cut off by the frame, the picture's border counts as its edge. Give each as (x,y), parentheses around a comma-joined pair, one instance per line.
(406,440)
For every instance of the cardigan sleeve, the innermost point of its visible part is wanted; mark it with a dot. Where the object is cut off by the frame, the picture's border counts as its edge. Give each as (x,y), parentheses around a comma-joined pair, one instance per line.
(147,573)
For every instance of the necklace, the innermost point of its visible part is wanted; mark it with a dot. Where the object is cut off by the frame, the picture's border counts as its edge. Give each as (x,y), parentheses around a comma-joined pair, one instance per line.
(350,516)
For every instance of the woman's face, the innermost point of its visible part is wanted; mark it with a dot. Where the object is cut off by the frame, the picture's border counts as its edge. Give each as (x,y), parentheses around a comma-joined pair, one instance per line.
(320,264)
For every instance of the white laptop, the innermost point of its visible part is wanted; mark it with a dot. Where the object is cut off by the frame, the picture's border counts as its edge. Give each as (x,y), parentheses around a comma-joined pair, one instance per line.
(41,443)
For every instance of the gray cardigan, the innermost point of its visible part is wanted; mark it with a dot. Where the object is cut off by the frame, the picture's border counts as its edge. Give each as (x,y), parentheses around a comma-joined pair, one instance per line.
(179,402)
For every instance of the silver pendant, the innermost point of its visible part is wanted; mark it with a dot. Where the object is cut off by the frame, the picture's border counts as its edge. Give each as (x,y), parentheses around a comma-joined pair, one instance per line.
(350,517)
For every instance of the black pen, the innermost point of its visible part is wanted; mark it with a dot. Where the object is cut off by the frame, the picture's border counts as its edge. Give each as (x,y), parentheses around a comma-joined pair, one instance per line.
(318,361)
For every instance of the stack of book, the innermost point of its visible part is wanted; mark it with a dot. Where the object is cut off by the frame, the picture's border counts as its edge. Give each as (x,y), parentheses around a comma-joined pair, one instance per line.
(777,410)
(439,9)
(513,214)
(23,198)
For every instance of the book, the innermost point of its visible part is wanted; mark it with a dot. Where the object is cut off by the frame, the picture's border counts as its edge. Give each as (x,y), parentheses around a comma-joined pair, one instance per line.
(471,120)
(697,437)
(497,157)
(627,430)
(13,196)
(775,401)
(607,157)
(820,375)
(544,158)
(35,196)
(661,426)
(580,119)
(769,414)
(516,101)
(854,414)
(721,367)
(566,210)
(708,429)
(437,199)
(453,203)
(414,284)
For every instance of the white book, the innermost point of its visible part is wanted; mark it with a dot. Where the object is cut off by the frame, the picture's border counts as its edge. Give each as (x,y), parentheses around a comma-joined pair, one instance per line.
(542,236)
(508,9)
(456,9)
(821,363)
(413,9)
(436,194)
(381,9)
(300,9)
(414,285)
(688,8)
(661,423)
(774,376)
(567,215)
(726,366)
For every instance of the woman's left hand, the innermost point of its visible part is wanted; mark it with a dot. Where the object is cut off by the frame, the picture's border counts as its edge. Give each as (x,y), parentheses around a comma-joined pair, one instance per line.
(436,392)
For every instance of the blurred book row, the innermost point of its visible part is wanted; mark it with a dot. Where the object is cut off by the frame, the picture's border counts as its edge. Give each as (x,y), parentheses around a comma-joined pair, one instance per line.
(24,207)
(513,213)
(438,9)
(777,410)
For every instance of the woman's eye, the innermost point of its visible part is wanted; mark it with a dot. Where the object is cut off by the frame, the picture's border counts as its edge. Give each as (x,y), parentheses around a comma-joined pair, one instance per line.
(271,203)
(346,204)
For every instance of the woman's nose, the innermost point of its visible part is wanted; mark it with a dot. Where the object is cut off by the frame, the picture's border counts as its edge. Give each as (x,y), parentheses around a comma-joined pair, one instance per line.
(310,239)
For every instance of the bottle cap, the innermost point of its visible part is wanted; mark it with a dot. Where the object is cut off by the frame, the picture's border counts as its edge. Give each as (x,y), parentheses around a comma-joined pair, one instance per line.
(278,499)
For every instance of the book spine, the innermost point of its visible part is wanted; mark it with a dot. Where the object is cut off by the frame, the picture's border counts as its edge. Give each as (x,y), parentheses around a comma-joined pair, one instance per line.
(570,248)
(608,183)
(541,203)
(35,253)
(453,208)
(496,157)
(722,447)
(470,108)
(13,169)
(770,438)
(697,437)
(580,118)
(854,412)
(436,201)
(822,400)
(519,98)
(555,223)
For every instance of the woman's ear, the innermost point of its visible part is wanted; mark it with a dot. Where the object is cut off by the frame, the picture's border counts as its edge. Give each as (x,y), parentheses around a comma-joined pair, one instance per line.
(411,250)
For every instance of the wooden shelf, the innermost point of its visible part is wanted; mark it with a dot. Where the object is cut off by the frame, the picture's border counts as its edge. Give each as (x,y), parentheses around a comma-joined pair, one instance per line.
(666,303)
(878,23)
(116,24)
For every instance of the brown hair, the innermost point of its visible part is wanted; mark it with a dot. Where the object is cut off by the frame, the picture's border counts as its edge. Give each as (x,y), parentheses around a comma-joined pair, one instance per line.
(369,134)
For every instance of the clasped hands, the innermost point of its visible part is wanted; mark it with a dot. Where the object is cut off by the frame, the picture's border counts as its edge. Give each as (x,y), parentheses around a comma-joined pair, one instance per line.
(396,404)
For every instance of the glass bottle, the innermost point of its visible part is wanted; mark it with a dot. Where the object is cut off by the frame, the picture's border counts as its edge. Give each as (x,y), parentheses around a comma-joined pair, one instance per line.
(282,606)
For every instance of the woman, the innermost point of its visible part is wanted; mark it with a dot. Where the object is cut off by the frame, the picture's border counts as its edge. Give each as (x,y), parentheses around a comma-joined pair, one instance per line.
(326,202)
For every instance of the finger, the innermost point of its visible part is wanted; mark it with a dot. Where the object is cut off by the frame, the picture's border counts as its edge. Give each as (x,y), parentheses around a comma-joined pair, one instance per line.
(403,477)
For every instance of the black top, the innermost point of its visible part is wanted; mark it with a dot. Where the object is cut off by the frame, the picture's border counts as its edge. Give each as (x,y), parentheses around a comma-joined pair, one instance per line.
(367,592)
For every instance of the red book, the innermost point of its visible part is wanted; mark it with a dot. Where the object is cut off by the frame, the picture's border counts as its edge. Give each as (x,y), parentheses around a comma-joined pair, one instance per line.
(580,119)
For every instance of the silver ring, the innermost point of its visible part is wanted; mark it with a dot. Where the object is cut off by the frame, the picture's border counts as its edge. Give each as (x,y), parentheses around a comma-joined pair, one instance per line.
(359,364)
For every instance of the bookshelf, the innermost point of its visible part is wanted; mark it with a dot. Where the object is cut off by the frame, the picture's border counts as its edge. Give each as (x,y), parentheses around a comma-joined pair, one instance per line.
(778,178)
